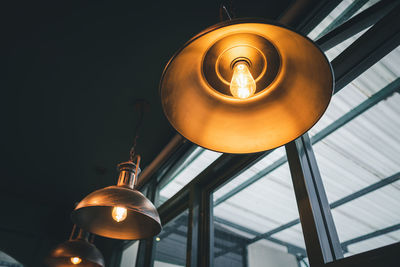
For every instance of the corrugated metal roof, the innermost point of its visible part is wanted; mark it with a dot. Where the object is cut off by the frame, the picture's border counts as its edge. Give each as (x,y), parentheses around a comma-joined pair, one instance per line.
(362,152)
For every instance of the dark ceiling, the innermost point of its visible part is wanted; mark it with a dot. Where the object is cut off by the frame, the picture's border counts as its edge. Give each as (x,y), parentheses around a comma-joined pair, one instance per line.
(73,70)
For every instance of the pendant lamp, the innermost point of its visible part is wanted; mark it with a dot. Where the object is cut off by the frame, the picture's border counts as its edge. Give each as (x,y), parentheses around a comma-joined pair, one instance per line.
(246,85)
(76,252)
(120,211)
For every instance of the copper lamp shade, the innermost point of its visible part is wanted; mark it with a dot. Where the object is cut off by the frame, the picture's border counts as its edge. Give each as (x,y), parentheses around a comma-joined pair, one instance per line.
(86,253)
(93,213)
(294,84)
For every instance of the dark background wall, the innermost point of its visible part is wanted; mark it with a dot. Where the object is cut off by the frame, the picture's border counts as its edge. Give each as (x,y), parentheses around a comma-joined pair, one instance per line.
(71,71)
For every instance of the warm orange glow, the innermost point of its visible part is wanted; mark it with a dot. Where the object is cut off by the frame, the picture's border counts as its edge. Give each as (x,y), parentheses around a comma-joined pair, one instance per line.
(119,213)
(294,84)
(76,260)
(242,85)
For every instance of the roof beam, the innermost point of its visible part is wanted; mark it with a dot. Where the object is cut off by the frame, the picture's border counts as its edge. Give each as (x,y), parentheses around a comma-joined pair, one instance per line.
(371,235)
(377,42)
(344,16)
(304,15)
(366,190)
(293,249)
(356,24)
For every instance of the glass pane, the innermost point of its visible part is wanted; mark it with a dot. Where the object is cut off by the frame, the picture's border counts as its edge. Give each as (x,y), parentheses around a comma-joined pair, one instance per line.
(359,161)
(248,208)
(128,258)
(192,166)
(171,243)
(361,89)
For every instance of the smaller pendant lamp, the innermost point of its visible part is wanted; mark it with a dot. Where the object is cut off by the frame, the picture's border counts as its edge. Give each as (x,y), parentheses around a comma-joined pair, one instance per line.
(76,252)
(245,86)
(120,211)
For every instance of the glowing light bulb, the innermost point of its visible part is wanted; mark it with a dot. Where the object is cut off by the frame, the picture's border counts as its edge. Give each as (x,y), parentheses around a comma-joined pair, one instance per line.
(119,214)
(76,260)
(242,84)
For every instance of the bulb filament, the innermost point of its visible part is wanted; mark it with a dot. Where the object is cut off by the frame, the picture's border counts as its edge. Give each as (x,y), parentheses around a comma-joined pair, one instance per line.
(242,84)
(119,214)
(76,260)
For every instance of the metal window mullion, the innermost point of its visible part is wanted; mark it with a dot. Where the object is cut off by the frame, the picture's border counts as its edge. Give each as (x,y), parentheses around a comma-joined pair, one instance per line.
(193,227)
(319,231)
(146,250)
(245,256)
(206,228)
(116,256)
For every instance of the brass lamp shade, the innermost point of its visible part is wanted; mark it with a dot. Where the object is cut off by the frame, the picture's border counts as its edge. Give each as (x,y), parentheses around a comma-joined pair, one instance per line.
(80,248)
(294,84)
(93,213)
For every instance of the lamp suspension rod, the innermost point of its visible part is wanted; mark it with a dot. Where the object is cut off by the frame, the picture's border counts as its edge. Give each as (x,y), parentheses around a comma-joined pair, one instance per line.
(132,152)
(223,7)
(91,238)
(71,236)
(84,235)
(135,178)
(224,10)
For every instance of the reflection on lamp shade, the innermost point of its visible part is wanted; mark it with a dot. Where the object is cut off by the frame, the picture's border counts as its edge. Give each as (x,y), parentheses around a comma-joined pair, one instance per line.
(120,211)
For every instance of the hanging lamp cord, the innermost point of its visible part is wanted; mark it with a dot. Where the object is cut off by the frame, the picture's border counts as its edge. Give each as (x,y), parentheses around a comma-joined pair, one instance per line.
(140,105)
(73,232)
(226,10)
(132,152)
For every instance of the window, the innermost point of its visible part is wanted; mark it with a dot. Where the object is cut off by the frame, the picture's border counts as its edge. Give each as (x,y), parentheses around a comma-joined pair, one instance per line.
(171,243)
(198,160)
(256,218)
(129,255)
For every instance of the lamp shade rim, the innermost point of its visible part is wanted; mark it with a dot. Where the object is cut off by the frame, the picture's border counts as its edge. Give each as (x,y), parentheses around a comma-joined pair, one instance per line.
(94,214)
(203,122)
(87,252)
(110,206)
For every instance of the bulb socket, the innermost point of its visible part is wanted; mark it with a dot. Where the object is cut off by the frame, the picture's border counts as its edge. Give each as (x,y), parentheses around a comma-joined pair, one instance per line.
(127,174)
(241,60)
